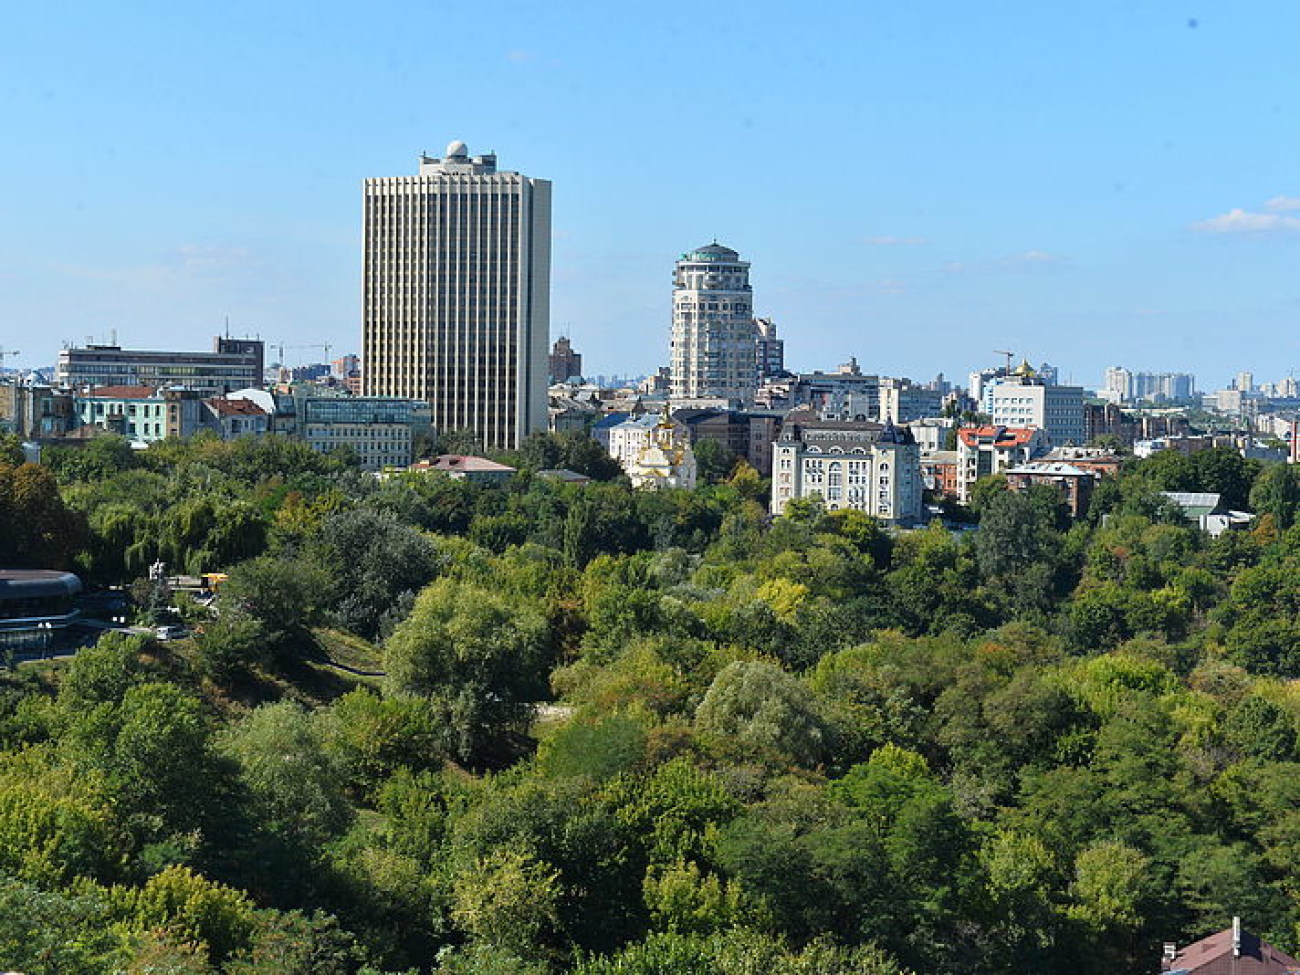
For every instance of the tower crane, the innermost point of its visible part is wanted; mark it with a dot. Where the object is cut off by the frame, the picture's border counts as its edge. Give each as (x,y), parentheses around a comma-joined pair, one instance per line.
(1009,355)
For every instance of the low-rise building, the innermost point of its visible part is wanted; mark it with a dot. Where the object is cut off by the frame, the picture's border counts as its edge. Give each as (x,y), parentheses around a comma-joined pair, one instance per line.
(848,464)
(232,418)
(468,468)
(380,429)
(138,413)
(35,410)
(939,473)
(1075,483)
(1232,951)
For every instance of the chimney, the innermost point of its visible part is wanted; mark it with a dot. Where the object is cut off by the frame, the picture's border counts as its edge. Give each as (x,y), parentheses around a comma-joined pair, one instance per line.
(1236,937)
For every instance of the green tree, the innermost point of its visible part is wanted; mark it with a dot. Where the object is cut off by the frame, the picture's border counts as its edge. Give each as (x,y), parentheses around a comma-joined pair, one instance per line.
(760,710)
(485,655)
(295,784)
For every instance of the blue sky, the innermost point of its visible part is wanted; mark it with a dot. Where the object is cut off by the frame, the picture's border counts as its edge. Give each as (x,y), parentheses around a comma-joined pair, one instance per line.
(1088,183)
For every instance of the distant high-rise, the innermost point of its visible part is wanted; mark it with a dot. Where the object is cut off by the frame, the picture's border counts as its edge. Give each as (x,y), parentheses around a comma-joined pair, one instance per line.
(456,294)
(565,364)
(770,349)
(714,339)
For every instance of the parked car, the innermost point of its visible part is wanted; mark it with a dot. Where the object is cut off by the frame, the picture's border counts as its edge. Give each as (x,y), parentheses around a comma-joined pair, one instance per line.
(165,633)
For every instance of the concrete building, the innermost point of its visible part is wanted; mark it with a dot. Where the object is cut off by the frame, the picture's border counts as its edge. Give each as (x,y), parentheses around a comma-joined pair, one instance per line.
(232,418)
(865,466)
(456,294)
(939,472)
(714,337)
(984,451)
(1075,483)
(846,394)
(1025,400)
(748,433)
(34,410)
(627,438)
(380,429)
(770,352)
(902,401)
(232,364)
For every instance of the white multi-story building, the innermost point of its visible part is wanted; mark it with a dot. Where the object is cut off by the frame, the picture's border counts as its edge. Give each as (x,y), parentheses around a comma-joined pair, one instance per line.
(988,450)
(714,338)
(864,466)
(232,364)
(1024,400)
(456,294)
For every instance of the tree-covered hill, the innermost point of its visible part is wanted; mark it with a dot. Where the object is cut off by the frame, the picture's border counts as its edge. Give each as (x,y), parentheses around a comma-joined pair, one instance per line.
(800,745)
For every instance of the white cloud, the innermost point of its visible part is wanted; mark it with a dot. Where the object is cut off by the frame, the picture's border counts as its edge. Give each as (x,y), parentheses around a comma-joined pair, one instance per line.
(888,241)
(1024,261)
(1283,204)
(1238,221)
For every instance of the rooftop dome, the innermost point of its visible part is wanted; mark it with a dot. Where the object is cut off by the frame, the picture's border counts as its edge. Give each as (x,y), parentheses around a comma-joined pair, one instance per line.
(711,252)
(1025,369)
(457,150)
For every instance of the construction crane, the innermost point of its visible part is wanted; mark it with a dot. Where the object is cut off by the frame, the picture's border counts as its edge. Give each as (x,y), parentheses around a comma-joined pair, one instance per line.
(4,352)
(1009,355)
(280,347)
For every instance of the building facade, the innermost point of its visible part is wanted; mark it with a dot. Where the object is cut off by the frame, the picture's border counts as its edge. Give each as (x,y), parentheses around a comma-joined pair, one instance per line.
(865,466)
(136,412)
(714,337)
(380,429)
(565,364)
(456,294)
(770,351)
(1023,399)
(984,451)
(232,364)
(903,401)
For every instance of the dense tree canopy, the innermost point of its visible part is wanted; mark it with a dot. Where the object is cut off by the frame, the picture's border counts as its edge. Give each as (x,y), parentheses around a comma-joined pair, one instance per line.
(542,727)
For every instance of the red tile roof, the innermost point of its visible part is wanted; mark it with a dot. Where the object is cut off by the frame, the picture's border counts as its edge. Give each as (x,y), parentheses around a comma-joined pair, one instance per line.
(236,407)
(1213,956)
(1001,436)
(123,392)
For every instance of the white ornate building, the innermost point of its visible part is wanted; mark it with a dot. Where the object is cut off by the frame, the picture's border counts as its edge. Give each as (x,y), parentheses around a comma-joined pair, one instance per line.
(860,465)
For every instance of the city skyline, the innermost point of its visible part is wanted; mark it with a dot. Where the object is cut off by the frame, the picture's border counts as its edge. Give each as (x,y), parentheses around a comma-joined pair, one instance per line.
(1090,185)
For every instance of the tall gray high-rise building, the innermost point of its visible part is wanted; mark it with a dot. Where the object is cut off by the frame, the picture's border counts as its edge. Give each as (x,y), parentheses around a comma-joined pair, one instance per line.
(714,343)
(456,294)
